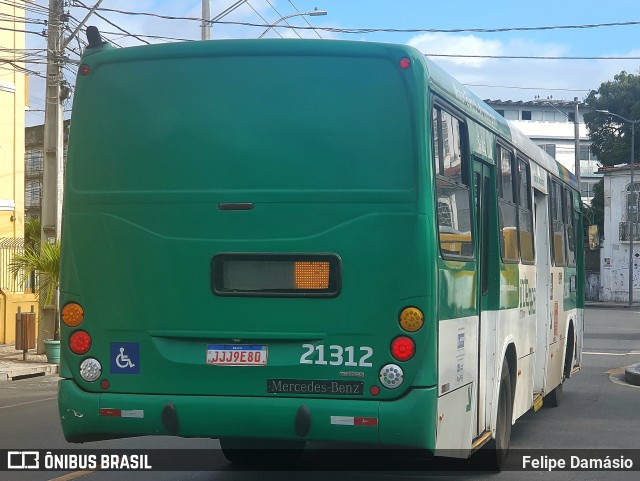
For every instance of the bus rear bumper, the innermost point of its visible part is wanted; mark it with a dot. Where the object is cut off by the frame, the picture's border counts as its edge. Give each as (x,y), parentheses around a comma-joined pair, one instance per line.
(408,421)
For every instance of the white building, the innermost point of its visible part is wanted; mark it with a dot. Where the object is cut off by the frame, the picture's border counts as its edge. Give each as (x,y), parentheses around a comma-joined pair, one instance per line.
(614,268)
(550,124)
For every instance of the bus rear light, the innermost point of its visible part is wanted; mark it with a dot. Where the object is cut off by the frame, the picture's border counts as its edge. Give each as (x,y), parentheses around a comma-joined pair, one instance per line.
(312,275)
(90,370)
(105,384)
(405,63)
(72,314)
(411,319)
(80,342)
(403,348)
(374,390)
(391,376)
(84,70)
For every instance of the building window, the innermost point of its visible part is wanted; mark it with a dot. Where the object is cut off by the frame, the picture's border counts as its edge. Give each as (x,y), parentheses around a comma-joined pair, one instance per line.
(500,112)
(526,115)
(549,149)
(33,161)
(586,187)
(512,114)
(632,203)
(586,154)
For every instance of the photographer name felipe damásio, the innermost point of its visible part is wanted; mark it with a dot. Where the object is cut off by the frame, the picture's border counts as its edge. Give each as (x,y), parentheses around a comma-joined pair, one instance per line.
(577,463)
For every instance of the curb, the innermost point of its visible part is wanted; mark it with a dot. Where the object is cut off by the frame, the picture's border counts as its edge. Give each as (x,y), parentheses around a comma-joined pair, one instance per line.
(10,373)
(632,374)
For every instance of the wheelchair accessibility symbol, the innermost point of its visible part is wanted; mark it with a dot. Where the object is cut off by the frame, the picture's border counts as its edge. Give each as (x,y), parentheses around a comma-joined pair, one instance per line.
(123,361)
(125,357)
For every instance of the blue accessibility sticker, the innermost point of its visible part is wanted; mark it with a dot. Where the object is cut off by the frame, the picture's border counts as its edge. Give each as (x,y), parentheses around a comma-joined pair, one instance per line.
(125,357)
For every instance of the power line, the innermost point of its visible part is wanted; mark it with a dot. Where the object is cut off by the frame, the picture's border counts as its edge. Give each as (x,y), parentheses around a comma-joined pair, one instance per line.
(283,17)
(526,88)
(304,18)
(390,30)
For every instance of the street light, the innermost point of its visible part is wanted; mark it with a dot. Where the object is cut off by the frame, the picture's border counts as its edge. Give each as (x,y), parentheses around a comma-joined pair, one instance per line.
(312,13)
(632,192)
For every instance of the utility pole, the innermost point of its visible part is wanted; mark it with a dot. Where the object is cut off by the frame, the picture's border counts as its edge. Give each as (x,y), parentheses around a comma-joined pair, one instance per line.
(51,205)
(576,134)
(206,20)
(51,209)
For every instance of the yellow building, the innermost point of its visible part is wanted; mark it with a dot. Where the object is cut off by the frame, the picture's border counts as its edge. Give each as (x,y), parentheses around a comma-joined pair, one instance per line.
(13,95)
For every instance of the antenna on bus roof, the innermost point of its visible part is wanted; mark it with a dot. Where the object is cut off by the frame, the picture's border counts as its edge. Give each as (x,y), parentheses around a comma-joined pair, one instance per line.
(94,37)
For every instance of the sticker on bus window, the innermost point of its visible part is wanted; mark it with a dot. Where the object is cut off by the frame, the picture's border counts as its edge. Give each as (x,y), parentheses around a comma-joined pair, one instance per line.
(236,355)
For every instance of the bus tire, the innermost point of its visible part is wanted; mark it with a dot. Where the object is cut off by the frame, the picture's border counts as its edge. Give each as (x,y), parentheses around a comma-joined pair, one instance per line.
(502,439)
(553,399)
(261,452)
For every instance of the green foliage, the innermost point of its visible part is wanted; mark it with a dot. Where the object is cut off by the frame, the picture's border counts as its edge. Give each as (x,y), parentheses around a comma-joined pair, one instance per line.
(31,233)
(46,263)
(610,136)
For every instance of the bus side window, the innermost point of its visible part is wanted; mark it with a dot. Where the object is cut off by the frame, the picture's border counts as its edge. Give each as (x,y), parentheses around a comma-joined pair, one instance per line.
(525,214)
(507,208)
(570,234)
(452,192)
(557,224)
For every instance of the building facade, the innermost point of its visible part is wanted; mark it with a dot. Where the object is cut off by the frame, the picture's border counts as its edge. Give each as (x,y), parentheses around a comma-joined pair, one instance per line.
(550,124)
(13,102)
(34,167)
(621,225)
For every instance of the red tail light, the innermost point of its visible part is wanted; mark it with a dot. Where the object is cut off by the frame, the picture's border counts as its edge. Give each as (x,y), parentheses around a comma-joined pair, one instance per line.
(403,348)
(80,342)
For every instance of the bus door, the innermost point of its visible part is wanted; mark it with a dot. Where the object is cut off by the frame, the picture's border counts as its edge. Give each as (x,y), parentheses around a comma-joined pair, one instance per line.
(543,289)
(483,197)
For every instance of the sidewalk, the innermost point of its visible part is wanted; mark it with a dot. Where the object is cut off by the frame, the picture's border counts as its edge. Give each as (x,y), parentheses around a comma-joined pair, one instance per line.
(611,305)
(13,367)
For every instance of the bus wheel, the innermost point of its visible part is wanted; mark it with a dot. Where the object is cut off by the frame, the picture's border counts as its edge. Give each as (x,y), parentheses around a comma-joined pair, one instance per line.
(261,452)
(500,445)
(553,399)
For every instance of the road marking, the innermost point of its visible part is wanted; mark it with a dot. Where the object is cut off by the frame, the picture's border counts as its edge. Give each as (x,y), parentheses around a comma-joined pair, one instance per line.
(74,475)
(28,402)
(612,353)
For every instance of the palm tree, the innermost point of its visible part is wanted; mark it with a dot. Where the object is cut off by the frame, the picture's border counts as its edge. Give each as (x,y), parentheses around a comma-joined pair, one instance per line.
(45,262)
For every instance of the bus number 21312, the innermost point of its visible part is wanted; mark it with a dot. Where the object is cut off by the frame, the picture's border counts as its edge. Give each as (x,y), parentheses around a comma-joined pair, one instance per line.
(337,355)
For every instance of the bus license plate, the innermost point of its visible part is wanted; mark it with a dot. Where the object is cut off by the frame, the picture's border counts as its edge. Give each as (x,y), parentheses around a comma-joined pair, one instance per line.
(236,355)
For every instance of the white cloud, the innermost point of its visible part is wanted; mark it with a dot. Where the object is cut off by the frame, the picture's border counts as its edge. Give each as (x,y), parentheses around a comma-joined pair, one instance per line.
(488,77)
(441,43)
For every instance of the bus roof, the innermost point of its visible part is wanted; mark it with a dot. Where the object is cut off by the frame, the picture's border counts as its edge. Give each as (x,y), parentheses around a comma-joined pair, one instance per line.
(461,97)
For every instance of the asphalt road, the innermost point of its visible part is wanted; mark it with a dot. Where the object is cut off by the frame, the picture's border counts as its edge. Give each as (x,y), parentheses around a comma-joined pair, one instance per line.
(598,411)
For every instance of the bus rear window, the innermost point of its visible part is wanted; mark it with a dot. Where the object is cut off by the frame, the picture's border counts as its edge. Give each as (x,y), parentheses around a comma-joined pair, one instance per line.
(243,123)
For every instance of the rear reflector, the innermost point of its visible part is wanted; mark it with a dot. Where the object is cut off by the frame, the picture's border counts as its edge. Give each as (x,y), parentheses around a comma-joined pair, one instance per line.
(122,413)
(353,421)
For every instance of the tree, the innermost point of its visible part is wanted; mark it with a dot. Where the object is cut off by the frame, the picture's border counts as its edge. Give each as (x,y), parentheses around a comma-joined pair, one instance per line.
(45,261)
(610,136)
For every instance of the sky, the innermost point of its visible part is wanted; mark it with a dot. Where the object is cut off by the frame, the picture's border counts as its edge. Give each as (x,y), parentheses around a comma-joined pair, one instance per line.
(489,78)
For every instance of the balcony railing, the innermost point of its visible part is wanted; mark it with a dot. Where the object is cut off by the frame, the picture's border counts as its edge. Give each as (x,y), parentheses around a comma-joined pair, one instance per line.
(625,231)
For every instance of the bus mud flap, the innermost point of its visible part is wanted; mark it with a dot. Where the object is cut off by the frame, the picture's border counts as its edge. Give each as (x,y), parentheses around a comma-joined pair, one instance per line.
(303,421)
(170,418)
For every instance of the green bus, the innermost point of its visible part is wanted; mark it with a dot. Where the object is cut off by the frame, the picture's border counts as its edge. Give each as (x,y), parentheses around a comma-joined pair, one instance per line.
(272,242)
